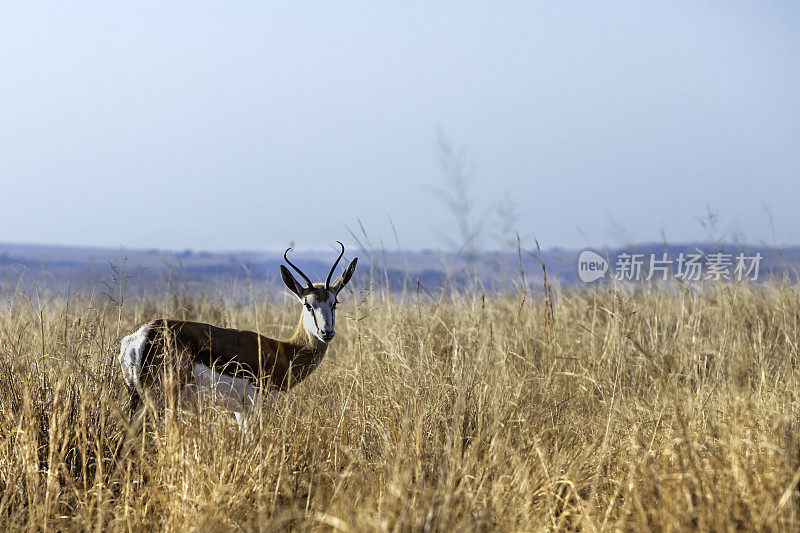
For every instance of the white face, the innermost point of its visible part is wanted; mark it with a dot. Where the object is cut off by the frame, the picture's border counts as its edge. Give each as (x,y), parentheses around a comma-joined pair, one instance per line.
(319,313)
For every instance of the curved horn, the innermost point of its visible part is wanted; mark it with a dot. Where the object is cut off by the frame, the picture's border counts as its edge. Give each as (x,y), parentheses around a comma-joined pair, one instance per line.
(330,274)
(308,281)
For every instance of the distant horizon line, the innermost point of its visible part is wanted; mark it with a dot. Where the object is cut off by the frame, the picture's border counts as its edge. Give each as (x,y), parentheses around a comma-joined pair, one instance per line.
(315,250)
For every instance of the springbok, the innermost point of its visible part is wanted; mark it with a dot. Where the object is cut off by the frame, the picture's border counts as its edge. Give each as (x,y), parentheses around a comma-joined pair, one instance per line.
(235,365)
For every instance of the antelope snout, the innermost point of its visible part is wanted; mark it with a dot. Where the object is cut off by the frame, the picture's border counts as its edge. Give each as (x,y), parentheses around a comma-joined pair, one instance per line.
(328,334)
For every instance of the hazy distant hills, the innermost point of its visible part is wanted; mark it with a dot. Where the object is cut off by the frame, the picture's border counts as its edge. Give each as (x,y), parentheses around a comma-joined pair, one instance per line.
(29,266)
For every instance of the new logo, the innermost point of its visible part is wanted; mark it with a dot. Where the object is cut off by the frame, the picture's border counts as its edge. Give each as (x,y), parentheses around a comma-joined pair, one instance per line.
(591,266)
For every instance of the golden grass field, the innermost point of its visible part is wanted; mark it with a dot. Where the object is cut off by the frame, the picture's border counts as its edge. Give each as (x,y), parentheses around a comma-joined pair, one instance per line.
(648,409)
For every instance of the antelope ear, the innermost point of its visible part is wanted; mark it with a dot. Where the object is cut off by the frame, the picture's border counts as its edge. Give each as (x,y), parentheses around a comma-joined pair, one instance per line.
(342,280)
(290,282)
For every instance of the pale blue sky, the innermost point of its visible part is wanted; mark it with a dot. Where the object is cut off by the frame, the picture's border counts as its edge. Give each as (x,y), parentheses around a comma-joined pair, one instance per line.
(238,125)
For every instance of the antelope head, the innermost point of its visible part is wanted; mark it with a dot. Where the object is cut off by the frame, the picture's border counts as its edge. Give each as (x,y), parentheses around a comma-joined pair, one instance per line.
(318,299)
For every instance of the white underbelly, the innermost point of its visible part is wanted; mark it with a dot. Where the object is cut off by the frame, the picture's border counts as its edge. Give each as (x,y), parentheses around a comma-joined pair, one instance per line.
(232,393)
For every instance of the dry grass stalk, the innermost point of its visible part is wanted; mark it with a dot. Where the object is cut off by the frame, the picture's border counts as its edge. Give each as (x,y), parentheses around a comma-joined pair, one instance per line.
(634,411)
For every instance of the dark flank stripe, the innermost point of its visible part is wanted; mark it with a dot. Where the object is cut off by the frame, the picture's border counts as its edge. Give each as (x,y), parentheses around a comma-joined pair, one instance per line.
(236,353)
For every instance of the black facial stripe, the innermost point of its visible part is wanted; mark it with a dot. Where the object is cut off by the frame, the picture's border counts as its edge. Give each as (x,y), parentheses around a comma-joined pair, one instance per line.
(314,316)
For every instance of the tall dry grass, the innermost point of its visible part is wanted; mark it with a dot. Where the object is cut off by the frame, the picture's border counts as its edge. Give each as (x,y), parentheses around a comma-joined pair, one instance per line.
(630,410)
